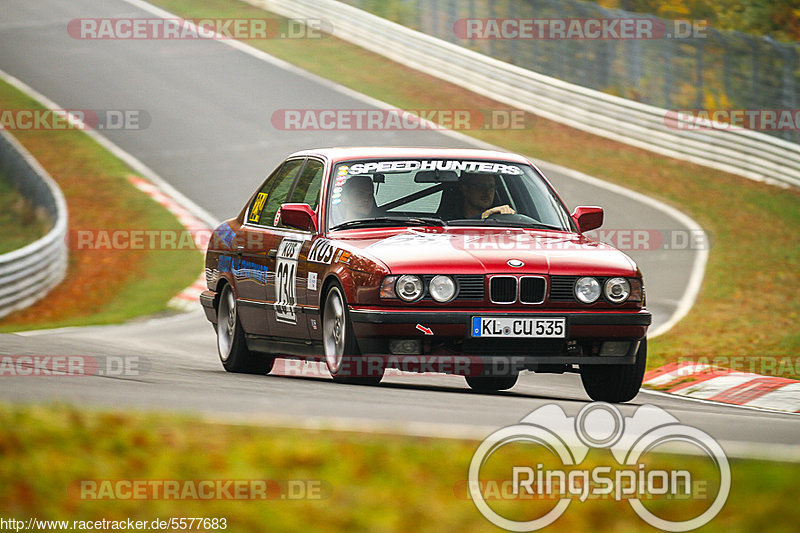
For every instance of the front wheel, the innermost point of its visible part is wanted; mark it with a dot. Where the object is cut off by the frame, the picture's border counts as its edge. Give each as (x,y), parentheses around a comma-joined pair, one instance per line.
(231,344)
(341,347)
(615,383)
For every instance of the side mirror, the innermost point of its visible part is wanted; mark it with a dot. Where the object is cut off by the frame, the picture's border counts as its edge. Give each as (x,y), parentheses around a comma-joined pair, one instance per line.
(298,216)
(588,218)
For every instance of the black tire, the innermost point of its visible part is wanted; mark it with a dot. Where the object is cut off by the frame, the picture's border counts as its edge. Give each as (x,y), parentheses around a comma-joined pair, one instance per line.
(231,344)
(615,383)
(341,346)
(491,383)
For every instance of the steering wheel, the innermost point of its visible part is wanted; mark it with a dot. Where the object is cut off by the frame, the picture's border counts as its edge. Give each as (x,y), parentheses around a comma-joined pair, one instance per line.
(496,216)
(512,217)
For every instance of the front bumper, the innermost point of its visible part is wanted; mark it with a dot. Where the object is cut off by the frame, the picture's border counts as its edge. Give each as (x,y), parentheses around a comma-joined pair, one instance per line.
(208,301)
(450,332)
(457,323)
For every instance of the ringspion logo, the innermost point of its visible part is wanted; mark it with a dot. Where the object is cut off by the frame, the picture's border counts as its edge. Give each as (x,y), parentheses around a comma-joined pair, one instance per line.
(568,440)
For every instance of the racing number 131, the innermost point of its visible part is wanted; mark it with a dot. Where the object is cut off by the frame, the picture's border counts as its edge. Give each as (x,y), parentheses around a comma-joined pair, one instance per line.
(285,281)
(287,271)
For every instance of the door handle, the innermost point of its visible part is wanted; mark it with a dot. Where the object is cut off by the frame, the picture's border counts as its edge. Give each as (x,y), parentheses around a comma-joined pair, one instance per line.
(273,253)
(239,249)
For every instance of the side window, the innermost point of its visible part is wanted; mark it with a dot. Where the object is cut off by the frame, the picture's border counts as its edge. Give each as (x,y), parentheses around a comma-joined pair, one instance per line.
(277,194)
(254,213)
(308,184)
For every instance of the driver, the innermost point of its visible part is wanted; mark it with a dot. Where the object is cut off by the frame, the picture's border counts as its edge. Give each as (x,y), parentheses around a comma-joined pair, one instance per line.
(357,200)
(478,191)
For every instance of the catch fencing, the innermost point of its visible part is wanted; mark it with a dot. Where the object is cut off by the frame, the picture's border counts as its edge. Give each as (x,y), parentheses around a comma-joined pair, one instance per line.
(681,64)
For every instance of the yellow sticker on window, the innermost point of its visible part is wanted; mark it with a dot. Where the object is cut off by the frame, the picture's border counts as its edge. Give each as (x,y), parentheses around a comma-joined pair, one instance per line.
(255,213)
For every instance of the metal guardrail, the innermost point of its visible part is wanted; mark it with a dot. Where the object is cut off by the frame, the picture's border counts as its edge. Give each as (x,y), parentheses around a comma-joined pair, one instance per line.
(28,273)
(681,64)
(746,153)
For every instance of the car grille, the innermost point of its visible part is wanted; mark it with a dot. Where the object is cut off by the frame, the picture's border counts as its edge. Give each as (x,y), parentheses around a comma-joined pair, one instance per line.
(503,289)
(531,289)
(562,288)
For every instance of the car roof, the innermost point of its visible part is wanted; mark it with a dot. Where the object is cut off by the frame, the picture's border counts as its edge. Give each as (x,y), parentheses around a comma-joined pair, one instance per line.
(383,152)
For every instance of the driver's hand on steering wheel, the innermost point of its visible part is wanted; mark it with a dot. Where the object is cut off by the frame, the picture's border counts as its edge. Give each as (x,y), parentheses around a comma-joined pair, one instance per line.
(500,209)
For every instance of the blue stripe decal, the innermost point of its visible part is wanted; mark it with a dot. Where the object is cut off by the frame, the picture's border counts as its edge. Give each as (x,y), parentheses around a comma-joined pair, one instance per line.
(476,326)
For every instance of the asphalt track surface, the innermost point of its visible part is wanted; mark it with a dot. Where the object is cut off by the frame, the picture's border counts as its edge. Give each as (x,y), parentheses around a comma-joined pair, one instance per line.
(211,138)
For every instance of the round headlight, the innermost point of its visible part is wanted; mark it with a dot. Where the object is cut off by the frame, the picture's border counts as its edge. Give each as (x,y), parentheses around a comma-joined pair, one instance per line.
(409,287)
(587,290)
(617,290)
(442,288)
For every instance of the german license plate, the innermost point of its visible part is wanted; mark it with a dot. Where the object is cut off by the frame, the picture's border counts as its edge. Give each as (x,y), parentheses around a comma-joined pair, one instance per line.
(487,326)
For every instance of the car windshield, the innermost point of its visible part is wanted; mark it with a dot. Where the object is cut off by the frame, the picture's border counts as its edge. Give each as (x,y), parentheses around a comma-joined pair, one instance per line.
(441,192)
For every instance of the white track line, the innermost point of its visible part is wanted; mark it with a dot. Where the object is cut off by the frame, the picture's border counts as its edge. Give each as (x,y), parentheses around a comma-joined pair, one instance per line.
(738,449)
(129,159)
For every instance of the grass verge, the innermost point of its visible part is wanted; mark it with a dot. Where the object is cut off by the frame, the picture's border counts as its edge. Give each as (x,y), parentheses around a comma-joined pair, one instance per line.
(20,222)
(103,285)
(366,482)
(743,309)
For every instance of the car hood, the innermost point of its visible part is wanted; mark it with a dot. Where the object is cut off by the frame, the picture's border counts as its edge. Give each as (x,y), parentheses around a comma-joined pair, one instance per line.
(488,250)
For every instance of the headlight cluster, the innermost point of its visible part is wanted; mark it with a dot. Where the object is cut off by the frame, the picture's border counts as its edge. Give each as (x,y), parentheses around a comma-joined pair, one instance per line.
(410,288)
(442,288)
(587,290)
(616,290)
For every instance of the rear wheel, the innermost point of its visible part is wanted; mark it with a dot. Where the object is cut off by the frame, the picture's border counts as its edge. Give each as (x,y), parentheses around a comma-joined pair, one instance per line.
(615,383)
(231,344)
(491,383)
(341,347)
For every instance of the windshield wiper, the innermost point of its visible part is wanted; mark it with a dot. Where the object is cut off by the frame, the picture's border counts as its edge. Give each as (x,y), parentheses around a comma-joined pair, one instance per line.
(381,221)
(500,223)
(537,225)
